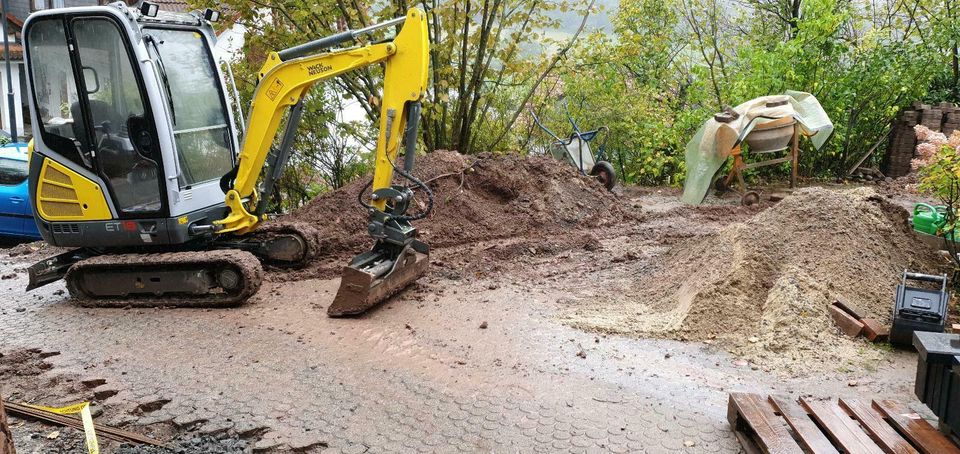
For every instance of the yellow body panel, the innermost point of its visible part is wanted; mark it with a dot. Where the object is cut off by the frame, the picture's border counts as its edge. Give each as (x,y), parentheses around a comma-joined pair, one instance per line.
(65,195)
(283,83)
(404,79)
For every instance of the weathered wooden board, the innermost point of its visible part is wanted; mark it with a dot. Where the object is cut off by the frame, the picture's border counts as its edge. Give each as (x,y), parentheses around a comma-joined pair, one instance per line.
(873,421)
(840,427)
(924,436)
(753,412)
(810,436)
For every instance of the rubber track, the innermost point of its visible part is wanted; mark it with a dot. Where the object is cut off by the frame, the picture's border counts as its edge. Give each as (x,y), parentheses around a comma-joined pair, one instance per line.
(245,262)
(310,235)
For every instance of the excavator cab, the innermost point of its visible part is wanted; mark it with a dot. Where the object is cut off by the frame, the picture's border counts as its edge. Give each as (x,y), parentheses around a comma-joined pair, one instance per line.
(132,125)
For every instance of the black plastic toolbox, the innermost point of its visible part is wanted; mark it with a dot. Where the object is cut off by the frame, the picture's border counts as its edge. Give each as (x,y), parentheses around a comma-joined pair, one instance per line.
(937,371)
(918,309)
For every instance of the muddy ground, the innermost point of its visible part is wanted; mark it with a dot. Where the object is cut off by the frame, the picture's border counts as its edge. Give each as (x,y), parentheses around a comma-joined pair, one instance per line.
(488,352)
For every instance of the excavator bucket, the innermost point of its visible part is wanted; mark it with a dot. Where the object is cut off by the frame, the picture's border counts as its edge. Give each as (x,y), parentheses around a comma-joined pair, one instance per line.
(374,277)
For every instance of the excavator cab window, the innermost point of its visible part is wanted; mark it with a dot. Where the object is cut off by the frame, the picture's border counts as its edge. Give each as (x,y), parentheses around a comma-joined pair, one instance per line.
(198,107)
(117,101)
(55,89)
(88,96)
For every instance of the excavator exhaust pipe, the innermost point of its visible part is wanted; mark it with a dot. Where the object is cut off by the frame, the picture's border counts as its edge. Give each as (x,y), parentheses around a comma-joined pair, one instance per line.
(374,277)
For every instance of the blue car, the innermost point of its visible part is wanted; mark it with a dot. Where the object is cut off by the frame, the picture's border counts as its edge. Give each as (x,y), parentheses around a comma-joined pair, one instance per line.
(16,215)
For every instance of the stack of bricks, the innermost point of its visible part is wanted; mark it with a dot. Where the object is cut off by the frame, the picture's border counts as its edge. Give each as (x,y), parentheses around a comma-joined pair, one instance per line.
(903,142)
(951,118)
(944,117)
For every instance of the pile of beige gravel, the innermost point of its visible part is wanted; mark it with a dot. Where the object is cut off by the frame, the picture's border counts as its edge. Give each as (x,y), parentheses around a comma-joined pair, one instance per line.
(761,288)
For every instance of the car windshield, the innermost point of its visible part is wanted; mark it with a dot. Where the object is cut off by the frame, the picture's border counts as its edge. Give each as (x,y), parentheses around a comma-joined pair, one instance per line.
(201,127)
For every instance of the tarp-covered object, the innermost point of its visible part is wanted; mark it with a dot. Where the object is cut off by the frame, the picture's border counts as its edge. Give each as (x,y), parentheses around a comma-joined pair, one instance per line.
(714,141)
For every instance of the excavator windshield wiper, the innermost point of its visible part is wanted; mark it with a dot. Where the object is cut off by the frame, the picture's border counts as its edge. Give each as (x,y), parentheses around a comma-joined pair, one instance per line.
(163,76)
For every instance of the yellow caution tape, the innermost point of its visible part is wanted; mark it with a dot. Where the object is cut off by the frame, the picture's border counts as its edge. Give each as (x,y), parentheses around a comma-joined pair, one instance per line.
(93,447)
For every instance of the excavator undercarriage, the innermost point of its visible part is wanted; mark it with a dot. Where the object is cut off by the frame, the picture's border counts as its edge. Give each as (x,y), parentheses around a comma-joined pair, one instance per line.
(225,272)
(183,279)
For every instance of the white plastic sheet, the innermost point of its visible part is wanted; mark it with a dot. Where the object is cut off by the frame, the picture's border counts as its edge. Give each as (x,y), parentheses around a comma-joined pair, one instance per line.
(711,145)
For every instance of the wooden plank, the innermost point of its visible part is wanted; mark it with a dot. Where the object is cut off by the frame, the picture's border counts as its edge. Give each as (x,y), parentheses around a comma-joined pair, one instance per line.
(747,443)
(773,435)
(874,330)
(883,433)
(923,435)
(848,307)
(848,325)
(6,438)
(840,427)
(810,436)
(740,427)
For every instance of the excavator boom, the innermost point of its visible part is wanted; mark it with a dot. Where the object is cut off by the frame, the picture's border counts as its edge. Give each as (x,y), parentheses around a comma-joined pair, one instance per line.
(397,258)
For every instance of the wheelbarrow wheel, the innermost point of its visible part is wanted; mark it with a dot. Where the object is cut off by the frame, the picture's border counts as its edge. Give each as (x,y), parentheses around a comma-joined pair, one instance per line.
(604,172)
(720,184)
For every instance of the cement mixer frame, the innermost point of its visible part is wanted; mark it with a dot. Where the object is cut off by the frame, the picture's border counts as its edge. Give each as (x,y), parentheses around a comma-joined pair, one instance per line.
(764,138)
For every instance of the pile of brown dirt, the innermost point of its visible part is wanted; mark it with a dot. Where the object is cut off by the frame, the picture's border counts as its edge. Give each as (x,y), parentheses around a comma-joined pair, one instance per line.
(476,198)
(761,288)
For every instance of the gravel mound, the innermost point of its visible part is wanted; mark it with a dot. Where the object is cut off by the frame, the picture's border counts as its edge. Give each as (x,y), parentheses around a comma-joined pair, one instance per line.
(761,288)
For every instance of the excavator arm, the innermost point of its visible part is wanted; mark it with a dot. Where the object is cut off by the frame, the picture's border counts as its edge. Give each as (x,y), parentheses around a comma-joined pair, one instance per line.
(397,257)
(285,79)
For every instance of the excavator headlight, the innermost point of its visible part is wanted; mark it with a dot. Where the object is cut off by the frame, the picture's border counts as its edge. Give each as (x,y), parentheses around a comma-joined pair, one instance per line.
(211,15)
(149,9)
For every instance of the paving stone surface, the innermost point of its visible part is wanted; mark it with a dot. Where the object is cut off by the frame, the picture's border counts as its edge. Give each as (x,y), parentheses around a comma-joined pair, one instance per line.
(417,375)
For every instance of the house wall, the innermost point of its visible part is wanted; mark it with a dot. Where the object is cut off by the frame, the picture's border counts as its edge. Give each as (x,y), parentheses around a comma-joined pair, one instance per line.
(4,104)
(21,8)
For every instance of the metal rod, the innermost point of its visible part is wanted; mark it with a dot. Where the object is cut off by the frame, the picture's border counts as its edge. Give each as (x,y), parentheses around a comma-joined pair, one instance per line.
(236,98)
(410,136)
(112,433)
(279,161)
(332,40)
(11,104)
(375,27)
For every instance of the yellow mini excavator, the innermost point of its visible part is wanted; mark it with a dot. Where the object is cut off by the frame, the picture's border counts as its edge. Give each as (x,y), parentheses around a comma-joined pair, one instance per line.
(135,160)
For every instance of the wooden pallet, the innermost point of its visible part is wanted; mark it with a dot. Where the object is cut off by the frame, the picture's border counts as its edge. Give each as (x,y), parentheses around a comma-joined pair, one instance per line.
(783,425)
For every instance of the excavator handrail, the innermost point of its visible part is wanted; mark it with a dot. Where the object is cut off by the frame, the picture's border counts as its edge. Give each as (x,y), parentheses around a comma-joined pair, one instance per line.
(332,40)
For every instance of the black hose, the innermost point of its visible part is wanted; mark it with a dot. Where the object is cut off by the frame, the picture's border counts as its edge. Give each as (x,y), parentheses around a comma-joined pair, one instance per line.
(416,183)
(360,195)
(425,188)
